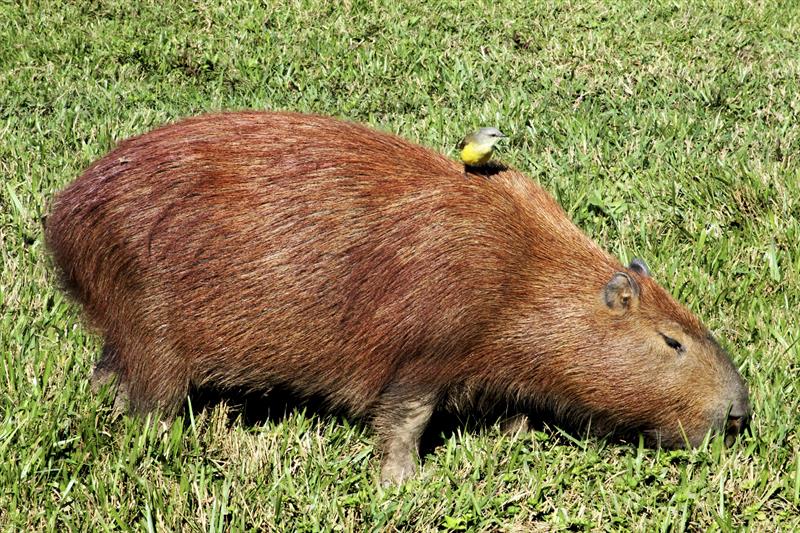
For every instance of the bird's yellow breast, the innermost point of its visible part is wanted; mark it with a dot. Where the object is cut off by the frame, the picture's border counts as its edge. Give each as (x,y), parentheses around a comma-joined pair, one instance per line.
(475,155)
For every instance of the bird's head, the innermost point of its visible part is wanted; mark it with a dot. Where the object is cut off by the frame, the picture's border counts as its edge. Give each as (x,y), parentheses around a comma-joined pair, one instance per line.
(488,136)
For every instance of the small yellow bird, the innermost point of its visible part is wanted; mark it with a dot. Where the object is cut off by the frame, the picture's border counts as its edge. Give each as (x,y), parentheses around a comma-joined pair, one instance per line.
(477,148)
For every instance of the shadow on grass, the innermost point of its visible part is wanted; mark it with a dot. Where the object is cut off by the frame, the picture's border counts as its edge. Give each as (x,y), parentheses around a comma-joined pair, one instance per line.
(258,408)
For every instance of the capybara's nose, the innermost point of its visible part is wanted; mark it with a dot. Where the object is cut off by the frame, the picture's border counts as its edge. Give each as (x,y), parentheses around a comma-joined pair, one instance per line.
(738,421)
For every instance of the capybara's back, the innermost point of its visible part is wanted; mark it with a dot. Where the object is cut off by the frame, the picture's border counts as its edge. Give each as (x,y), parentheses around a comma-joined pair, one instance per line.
(254,250)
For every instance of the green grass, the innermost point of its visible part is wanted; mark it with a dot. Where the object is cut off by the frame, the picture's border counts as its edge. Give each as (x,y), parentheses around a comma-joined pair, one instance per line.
(668,130)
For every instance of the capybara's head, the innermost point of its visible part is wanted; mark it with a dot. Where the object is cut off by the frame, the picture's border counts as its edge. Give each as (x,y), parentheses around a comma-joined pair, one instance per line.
(648,366)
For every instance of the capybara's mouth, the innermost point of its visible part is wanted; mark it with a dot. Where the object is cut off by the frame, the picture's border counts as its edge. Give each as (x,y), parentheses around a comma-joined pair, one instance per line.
(736,425)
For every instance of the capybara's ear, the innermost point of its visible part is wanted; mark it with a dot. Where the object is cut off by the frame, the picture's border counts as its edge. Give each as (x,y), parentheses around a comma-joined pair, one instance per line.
(640,267)
(621,293)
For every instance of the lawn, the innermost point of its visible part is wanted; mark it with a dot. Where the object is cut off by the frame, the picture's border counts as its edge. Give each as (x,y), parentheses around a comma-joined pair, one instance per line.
(667,130)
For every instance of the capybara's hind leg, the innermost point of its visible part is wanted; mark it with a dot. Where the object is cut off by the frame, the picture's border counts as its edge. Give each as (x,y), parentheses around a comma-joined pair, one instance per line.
(107,373)
(158,380)
(144,380)
(399,422)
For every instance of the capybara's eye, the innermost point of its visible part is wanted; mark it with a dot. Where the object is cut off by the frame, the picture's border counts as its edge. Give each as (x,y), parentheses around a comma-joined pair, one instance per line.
(672,343)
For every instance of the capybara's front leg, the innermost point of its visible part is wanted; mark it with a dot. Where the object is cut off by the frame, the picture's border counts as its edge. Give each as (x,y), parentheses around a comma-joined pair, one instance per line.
(399,422)
(515,424)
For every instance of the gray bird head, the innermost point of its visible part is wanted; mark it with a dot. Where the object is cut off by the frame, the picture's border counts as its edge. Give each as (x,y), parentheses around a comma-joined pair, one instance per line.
(483,137)
(489,134)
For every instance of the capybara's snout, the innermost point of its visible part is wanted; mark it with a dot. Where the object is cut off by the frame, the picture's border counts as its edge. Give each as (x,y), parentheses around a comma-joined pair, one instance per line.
(738,415)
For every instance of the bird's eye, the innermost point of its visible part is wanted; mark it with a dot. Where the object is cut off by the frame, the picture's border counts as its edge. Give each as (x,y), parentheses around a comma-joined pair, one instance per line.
(672,343)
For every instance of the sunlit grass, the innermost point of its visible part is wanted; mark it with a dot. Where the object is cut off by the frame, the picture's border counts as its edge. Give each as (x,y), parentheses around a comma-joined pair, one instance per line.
(669,131)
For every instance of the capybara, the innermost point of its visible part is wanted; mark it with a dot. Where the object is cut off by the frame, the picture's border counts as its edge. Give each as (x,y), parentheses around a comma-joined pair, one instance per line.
(254,250)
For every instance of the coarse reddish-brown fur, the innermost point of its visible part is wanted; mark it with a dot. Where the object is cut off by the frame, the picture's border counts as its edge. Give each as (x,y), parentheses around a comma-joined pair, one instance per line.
(257,249)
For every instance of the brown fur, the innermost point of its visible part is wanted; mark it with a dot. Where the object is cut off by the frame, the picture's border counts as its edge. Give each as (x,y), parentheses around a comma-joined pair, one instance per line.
(261,249)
